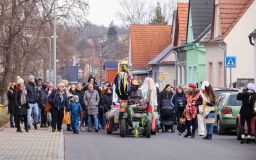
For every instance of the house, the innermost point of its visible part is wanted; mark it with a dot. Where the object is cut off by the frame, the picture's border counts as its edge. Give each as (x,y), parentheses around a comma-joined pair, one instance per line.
(111,69)
(163,68)
(146,42)
(191,64)
(180,38)
(233,22)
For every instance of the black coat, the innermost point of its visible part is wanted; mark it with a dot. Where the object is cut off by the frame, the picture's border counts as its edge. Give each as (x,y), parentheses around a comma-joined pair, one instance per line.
(19,109)
(248,100)
(32,94)
(11,100)
(165,98)
(107,101)
(43,98)
(55,99)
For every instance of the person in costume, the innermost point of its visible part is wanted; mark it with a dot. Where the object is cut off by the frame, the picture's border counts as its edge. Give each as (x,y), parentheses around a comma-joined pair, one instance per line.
(194,99)
(209,101)
(135,94)
(121,91)
(149,94)
(123,82)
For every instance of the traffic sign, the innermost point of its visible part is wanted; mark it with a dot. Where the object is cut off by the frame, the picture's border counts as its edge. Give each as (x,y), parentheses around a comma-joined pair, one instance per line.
(161,77)
(230,62)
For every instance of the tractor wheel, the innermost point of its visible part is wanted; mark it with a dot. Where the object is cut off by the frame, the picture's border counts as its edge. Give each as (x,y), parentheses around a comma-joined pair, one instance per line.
(220,129)
(148,129)
(238,131)
(123,127)
(109,126)
(155,130)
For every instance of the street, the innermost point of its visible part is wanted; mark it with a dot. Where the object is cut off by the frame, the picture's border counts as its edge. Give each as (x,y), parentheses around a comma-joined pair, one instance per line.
(100,146)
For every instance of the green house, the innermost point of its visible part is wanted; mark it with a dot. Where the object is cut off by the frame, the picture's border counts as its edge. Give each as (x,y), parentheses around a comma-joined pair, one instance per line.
(199,25)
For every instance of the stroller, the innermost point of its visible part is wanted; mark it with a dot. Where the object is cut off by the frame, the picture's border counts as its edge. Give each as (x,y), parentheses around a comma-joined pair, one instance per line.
(168,119)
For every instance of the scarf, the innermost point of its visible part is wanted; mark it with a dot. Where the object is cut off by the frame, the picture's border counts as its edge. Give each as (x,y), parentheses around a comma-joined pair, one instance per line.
(23,97)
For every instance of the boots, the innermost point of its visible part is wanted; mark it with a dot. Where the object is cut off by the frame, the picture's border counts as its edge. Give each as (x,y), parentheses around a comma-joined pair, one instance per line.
(210,137)
(187,135)
(206,137)
(69,127)
(19,130)
(242,141)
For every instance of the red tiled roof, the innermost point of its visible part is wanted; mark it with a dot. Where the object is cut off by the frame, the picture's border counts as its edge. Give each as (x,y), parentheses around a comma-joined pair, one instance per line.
(147,41)
(230,13)
(182,15)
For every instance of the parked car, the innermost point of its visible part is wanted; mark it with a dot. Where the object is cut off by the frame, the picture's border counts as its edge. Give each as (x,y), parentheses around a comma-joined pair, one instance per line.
(238,128)
(227,109)
(219,91)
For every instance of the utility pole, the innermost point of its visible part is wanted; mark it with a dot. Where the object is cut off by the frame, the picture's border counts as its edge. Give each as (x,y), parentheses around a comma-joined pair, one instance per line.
(54,46)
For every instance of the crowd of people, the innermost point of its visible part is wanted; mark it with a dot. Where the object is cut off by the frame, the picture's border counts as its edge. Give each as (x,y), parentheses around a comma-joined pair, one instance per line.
(76,105)
(86,105)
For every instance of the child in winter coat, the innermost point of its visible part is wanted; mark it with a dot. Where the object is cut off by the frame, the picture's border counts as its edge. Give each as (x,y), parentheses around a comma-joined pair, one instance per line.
(75,109)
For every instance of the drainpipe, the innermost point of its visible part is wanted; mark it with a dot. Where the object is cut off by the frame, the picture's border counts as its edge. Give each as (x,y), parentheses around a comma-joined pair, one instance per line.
(252,39)
(225,71)
(176,68)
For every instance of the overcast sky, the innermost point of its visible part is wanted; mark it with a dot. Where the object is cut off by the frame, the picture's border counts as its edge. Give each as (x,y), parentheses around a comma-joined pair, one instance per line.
(102,12)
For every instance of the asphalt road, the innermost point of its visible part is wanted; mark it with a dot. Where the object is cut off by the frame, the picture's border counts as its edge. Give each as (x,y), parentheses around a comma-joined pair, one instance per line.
(163,146)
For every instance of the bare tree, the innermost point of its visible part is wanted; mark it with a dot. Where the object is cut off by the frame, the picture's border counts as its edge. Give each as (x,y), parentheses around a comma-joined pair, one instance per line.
(142,11)
(21,55)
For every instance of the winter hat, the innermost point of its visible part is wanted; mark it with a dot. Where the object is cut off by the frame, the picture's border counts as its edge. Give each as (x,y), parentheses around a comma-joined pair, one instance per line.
(75,98)
(251,86)
(65,82)
(44,86)
(20,80)
(61,84)
(205,84)
(192,85)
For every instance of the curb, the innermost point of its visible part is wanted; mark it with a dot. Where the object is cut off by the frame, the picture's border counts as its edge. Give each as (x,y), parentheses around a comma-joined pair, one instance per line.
(61,155)
(5,126)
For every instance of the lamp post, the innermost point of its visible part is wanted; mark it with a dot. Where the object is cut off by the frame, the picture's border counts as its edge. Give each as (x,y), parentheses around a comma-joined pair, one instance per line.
(54,46)
(252,39)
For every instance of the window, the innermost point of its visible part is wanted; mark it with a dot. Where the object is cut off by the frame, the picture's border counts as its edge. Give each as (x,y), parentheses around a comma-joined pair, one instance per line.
(232,101)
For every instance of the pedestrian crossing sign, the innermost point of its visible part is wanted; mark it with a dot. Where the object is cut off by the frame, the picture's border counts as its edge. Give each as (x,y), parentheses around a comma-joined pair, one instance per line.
(230,62)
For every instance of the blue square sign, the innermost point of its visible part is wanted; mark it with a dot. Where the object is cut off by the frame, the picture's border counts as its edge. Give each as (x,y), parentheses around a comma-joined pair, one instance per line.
(230,62)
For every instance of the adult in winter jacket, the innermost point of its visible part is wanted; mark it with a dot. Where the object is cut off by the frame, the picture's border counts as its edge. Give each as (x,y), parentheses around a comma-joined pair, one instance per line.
(11,102)
(106,105)
(59,101)
(21,106)
(165,107)
(32,98)
(91,99)
(209,99)
(194,100)
(165,97)
(92,80)
(42,100)
(179,102)
(248,97)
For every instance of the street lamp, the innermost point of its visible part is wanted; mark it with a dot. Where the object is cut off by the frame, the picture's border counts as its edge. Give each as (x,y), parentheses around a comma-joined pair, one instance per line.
(252,39)
(54,45)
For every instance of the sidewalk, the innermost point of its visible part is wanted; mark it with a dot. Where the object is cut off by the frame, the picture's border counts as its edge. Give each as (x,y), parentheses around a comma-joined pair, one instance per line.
(41,144)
